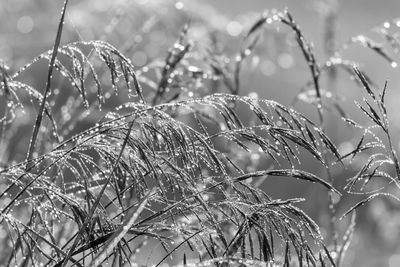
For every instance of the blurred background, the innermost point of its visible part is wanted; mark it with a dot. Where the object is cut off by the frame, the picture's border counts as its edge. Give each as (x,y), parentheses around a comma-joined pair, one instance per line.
(144,30)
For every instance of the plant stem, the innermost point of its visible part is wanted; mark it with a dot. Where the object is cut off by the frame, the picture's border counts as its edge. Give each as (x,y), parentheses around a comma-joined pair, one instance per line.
(48,86)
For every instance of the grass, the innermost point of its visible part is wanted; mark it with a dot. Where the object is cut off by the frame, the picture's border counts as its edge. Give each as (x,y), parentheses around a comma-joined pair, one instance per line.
(173,168)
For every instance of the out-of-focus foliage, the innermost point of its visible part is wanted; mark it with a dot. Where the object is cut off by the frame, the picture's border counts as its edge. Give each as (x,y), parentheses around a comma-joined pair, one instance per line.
(133,111)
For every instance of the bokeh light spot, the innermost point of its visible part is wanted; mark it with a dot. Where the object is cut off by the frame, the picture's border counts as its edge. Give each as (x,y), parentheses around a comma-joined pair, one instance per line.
(25,24)
(267,68)
(386,25)
(234,28)
(179,5)
(285,61)
(345,147)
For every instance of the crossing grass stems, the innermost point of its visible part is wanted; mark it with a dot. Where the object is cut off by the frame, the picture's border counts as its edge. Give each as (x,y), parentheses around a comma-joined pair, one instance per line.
(150,171)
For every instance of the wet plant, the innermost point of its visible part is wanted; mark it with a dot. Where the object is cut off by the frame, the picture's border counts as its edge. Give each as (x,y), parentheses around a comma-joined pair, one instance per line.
(171,169)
